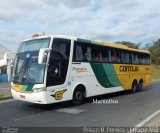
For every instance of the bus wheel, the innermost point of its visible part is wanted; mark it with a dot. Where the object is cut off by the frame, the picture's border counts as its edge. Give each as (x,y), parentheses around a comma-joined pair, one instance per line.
(140,85)
(134,86)
(78,96)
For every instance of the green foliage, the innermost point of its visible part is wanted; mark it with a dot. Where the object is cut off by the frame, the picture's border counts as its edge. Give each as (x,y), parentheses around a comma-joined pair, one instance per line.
(154,49)
(129,44)
(155,71)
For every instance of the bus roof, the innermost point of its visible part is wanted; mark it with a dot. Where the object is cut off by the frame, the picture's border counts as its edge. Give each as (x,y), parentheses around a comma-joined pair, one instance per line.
(95,42)
(112,45)
(51,36)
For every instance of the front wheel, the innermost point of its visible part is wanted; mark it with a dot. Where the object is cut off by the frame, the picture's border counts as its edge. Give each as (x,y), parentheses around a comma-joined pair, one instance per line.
(78,96)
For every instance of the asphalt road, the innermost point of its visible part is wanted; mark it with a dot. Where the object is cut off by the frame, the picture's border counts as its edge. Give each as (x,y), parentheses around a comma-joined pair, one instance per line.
(130,111)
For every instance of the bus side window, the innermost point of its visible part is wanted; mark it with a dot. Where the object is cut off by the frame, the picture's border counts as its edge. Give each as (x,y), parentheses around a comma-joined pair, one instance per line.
(105,54)
(62,48)
(147,59)
(110,55)
(97,55)
(122,57)
(59,55)
(78,54)
(89,54)
(86,50)
(116,56)
(82,52)
(142,59)
(58,62)
(135,58)
(127,58)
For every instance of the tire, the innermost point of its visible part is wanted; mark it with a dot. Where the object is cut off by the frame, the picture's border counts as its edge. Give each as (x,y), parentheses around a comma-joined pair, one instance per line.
(134,87)
(140,86)
(78,96)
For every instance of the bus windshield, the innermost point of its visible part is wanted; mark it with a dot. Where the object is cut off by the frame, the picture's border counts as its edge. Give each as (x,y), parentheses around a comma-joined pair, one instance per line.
(33,45)
(26,69)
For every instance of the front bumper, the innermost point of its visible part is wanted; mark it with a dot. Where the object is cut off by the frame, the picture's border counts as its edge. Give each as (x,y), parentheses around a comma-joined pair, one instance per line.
(39,97)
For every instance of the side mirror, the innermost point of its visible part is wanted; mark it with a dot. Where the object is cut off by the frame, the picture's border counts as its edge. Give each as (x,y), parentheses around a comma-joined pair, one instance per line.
(41,56)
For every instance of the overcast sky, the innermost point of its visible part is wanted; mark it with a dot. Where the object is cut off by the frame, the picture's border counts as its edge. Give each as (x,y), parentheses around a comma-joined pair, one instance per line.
(108,20)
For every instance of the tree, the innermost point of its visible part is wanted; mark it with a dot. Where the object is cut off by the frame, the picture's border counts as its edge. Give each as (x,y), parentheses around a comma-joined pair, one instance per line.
(129,44)
(155,51)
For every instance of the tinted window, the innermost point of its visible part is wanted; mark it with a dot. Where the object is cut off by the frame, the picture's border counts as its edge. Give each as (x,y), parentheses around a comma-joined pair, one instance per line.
(135,58)
(116,56)
(105,54)
(147,59)
(97,54)
(61,47)
(144,59)
(92,53)
(58,62)
(82,52)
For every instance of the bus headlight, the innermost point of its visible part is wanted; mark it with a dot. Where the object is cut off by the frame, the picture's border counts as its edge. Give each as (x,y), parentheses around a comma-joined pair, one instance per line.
(38,89)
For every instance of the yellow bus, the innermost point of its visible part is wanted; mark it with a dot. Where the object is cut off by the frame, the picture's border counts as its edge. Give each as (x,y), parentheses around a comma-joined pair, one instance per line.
(57,68)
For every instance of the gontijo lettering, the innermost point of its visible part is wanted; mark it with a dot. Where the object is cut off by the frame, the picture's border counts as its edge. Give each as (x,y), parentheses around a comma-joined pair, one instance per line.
(128,68)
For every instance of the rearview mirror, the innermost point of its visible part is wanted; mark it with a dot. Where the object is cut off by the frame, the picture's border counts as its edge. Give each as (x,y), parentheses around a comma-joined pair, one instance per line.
(41,56)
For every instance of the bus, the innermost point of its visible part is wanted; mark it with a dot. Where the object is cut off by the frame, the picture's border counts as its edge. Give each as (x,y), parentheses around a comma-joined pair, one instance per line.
(57,68)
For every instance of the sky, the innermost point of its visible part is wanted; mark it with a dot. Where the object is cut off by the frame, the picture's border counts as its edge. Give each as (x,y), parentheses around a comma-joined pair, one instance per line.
(107,20)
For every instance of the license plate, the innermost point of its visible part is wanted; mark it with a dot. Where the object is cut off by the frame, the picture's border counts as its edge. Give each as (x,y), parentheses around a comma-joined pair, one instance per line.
(22,96)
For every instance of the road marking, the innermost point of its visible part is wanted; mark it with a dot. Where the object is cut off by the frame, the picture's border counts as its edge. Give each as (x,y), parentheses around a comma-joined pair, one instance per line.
(142,123)
(70,110)
(148,119)
(8,100)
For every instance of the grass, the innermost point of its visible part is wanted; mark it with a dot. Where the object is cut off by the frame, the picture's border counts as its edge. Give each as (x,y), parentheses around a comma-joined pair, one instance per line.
(5,95)
(155,71)
(5,92)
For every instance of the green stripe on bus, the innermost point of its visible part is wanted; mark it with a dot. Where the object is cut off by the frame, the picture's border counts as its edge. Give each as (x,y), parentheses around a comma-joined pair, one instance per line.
(88,41)
(112,76)
(105,75)
(26,88)
(101,75)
